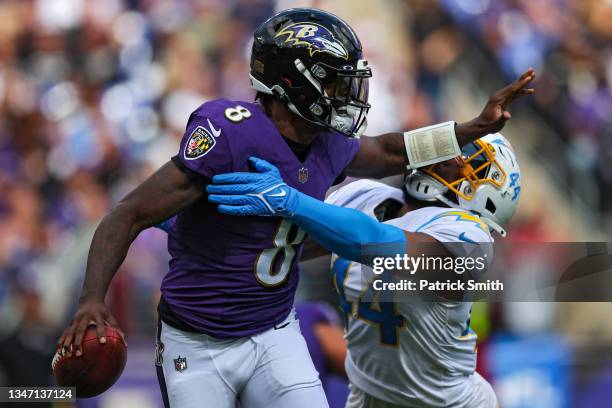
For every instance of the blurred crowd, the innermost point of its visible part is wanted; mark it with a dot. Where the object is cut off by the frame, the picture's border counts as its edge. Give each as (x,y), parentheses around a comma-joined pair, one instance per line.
(95,95)
(570,42)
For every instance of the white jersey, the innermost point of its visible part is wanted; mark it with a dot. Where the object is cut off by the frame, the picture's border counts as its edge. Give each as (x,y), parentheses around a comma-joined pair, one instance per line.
(420,354)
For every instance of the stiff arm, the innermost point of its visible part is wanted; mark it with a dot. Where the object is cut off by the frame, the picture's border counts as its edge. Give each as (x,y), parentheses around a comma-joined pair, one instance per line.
(385,155)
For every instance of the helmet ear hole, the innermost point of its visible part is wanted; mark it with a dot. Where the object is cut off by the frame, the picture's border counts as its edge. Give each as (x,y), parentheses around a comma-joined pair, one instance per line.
(422,186)
(490,206)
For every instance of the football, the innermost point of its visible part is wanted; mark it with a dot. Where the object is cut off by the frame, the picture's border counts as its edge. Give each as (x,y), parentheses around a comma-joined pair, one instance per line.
(97,369)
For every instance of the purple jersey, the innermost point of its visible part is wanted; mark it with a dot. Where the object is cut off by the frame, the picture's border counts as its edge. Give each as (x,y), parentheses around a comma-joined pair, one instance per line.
(236,276)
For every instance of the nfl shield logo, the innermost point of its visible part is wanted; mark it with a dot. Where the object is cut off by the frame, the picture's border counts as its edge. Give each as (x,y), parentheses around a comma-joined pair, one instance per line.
(180,364)
(303,175)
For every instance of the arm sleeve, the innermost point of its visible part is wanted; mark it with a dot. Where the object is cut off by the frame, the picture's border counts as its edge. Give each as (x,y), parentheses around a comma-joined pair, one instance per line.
(349,233)
(205,147)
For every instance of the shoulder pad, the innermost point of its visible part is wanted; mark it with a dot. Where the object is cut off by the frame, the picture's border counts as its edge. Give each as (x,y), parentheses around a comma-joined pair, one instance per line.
(226,113)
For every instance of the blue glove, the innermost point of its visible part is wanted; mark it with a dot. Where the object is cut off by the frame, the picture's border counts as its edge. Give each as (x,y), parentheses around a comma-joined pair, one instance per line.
(262,193)
(345,231)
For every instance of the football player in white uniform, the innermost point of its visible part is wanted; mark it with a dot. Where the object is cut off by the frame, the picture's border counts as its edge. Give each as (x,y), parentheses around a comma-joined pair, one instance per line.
(423,354)
(417,354)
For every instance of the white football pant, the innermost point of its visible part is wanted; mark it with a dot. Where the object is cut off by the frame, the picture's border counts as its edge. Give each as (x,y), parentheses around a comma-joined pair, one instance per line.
(269,370)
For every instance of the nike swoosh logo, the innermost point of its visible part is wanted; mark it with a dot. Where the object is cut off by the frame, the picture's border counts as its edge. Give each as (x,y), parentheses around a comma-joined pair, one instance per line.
(463,238)
(215,132)
(281,194)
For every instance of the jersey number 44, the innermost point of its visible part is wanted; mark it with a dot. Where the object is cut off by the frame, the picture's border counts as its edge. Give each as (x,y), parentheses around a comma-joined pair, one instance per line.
(368,307)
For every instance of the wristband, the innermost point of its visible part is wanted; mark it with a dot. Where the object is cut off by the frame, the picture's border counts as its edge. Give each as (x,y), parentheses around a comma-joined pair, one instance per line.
(431,144)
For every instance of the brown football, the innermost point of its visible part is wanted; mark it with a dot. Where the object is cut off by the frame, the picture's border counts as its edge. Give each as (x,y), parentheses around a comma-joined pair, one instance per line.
(97,369)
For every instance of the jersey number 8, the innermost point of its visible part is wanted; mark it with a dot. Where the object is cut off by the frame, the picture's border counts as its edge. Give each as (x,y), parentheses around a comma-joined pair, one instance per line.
(237,114)
(287,238)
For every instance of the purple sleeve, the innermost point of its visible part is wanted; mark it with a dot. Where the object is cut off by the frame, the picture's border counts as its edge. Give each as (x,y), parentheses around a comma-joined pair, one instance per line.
(205,148)
(342,151)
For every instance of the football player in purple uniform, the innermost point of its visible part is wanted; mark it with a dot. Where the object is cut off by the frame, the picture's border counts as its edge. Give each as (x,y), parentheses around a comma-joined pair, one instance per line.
(227,328)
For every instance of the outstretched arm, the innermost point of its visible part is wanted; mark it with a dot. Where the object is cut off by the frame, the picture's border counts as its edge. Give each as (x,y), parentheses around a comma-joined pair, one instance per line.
(385,155)
(347,232)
